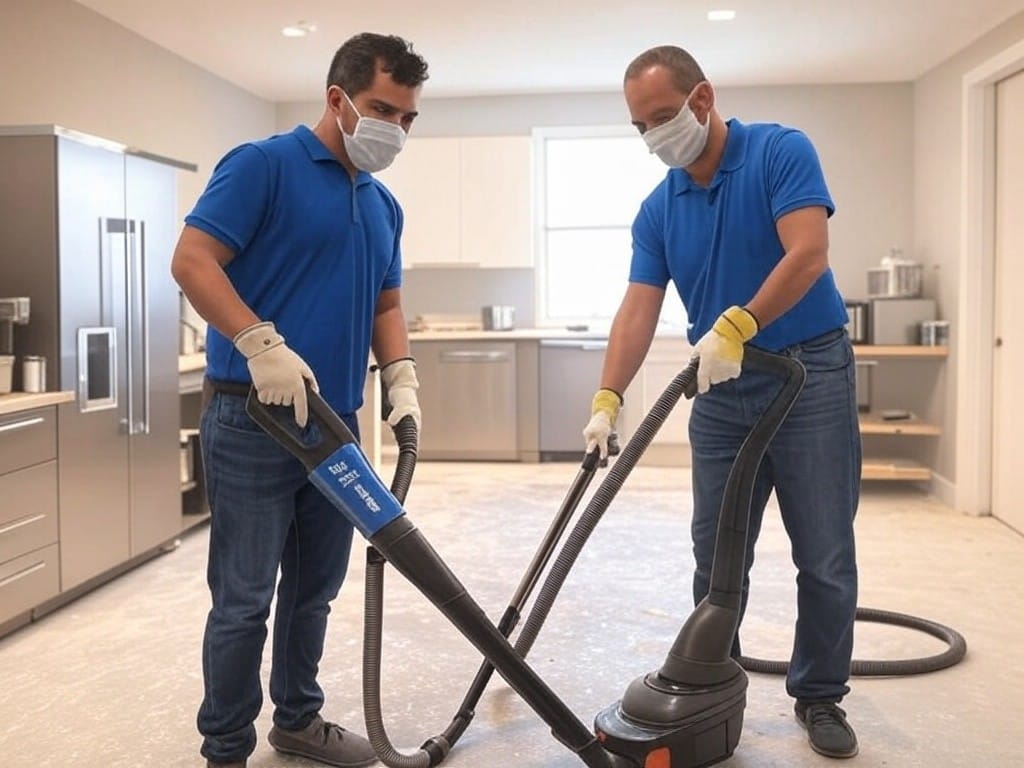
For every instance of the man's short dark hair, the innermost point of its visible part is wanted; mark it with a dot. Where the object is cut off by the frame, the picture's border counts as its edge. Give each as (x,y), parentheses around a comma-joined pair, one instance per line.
(356,61)
(686,72)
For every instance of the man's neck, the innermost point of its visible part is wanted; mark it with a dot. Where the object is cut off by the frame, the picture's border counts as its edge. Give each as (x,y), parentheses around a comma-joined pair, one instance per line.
(327,131)
(703,170)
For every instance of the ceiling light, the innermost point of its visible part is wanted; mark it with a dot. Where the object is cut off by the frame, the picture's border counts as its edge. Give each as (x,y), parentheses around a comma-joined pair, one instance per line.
(722,15)
(299,29)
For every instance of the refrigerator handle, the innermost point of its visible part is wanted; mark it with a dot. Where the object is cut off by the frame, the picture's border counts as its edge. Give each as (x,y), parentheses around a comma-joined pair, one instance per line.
(129,328)
(137,251)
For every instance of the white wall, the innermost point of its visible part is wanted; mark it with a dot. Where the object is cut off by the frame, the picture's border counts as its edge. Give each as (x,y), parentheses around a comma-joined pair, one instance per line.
(938,112)
(66,65)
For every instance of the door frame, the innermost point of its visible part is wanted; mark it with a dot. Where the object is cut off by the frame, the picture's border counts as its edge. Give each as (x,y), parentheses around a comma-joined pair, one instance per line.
(975,373)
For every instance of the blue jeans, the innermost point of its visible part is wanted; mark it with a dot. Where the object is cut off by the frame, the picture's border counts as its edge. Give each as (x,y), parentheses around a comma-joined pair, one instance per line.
(813,465)
(265,516)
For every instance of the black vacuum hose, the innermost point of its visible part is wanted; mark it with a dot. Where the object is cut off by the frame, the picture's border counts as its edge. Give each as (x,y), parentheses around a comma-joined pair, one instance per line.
(680,385)
(683,382)
(957,649)
(406,437)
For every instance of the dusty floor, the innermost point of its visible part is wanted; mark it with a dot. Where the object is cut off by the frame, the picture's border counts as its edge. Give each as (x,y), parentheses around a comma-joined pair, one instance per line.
(113,679)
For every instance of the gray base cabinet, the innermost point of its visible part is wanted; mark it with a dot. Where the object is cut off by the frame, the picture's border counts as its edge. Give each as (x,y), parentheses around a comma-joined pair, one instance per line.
(29,557)
(468,398)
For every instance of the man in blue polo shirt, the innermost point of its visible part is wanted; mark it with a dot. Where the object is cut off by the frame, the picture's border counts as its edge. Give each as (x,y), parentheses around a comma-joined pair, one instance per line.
(740,226)
(292,256)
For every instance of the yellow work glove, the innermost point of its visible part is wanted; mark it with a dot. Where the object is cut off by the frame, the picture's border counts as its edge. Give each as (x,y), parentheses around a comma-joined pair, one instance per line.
(278,374)
(604,409)
(721,349)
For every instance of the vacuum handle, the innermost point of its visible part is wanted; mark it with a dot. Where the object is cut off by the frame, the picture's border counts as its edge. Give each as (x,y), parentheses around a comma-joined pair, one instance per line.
(754,358)
(324,433)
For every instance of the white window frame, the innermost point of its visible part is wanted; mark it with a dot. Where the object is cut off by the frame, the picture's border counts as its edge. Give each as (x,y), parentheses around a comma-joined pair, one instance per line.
(540,137)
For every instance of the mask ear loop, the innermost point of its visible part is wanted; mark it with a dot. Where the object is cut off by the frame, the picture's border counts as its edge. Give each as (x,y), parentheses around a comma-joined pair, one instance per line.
(352,105)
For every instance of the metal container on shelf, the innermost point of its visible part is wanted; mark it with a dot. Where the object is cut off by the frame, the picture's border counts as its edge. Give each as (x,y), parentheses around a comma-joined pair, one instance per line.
(935,333)
(33,373)
(896,278)
(499,317)
(857,326)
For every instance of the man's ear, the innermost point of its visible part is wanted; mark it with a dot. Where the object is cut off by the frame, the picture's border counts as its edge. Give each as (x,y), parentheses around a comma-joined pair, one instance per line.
(702,101)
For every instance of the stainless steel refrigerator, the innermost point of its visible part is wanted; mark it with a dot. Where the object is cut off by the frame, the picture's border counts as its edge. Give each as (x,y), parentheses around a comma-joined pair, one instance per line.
(88,231)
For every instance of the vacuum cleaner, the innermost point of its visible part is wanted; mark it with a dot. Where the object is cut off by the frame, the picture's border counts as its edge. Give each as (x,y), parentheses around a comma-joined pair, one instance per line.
(686,714)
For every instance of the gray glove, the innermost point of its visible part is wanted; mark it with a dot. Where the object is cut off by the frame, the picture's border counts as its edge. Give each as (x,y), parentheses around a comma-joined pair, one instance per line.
(278,374)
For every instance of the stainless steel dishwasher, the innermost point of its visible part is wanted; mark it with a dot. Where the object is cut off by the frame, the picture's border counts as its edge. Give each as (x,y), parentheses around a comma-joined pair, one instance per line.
(570,372)
(468,398)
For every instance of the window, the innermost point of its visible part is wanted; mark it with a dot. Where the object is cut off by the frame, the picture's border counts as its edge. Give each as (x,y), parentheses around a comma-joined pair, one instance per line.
(590,184)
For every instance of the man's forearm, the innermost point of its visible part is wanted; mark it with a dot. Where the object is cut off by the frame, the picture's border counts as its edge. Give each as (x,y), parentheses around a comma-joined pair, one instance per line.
(390,336)
(792,277)
(630,337)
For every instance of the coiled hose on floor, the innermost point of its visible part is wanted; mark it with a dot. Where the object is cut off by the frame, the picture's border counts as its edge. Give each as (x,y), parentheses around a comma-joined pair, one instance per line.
(682,384)
(954,653)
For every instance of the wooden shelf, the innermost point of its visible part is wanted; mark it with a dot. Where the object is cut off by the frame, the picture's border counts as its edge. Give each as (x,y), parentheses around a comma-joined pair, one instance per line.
(874,424)
(898,350)
(893,469)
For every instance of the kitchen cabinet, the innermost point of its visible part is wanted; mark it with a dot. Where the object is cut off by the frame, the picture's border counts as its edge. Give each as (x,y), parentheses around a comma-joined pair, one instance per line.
(425,180)
(29,570)
(666,358)
(873,427)
(570,370)
(495,218)
(467,201)
(467,396)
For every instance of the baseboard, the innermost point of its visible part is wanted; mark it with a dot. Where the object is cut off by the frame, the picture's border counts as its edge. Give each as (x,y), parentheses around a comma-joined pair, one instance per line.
(941,488)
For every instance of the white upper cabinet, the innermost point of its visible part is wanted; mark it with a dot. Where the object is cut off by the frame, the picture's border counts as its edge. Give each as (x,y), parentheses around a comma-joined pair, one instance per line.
(425,179)
(496,205)
(467,201)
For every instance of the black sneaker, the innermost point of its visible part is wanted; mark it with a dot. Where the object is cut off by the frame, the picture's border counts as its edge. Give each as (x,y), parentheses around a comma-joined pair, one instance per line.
(325,743)
(827,729)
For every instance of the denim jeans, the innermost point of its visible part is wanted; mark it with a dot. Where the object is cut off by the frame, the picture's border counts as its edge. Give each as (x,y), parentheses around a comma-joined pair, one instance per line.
(813,465)
(265,515)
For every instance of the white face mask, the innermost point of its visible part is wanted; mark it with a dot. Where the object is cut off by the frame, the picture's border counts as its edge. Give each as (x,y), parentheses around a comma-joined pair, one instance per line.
(679,142)
(374,144)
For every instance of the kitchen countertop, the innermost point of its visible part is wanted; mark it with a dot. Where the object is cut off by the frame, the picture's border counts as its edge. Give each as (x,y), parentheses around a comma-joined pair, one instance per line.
(528,334)
(189,363)
(25,401)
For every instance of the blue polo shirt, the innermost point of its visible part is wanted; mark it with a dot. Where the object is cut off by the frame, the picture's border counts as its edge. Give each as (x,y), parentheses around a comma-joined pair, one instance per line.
(718,244)
(313,250)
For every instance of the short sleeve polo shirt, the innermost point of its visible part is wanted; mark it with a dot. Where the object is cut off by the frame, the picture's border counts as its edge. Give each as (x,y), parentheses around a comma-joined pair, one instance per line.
(719,243)
(313,249)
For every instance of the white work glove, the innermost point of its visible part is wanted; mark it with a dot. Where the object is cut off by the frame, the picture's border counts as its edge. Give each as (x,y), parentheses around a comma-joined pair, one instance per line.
(277,373)
(399,380)
(721,349)
(604,409)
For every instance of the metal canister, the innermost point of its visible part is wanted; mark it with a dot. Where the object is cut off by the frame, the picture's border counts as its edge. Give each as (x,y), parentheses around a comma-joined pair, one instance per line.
(33,373)
(935,333)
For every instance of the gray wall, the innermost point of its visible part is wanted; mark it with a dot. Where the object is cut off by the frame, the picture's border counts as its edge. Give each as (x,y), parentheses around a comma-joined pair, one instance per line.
(938,115)
(66,65)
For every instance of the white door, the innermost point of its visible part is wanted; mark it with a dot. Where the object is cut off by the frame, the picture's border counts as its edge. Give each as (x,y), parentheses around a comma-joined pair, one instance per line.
(1008,373)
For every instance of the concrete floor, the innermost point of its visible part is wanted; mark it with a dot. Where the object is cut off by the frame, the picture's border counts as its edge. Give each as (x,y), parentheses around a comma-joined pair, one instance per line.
(113,679)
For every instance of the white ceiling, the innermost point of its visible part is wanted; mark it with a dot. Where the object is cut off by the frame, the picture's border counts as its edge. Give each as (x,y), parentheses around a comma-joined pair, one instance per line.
(479,47)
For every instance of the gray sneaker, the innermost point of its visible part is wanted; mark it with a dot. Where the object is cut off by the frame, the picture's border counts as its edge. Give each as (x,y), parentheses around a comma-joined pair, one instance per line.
(237,764)
(827,729)
(325,743)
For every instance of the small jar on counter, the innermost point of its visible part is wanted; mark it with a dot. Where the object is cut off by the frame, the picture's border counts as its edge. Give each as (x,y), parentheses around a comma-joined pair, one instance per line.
(33,373)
